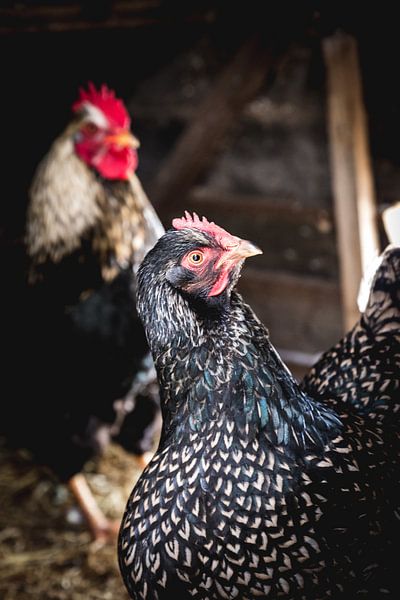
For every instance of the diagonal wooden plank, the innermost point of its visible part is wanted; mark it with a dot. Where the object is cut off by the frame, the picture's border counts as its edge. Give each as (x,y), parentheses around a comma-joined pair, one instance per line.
(27,17)
(287,209)
(238,83)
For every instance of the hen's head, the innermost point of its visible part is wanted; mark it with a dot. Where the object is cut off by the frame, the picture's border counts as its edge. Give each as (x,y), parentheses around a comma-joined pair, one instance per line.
(102,137)
(199,259)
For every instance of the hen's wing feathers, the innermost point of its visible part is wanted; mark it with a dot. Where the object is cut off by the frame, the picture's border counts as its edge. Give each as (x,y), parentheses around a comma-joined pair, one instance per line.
(362,369)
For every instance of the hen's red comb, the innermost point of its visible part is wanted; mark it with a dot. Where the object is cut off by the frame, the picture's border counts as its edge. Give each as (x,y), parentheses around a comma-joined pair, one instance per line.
(224,239)
(104,99)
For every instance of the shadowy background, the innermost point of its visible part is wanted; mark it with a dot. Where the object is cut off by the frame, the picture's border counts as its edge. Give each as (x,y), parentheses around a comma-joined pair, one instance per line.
(267,179)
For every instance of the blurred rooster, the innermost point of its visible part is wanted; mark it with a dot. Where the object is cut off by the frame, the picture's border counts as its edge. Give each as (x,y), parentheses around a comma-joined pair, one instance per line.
(88,376)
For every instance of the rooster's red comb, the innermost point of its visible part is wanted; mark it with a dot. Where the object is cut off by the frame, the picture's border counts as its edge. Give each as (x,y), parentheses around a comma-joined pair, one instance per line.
(104,99)
(224,239)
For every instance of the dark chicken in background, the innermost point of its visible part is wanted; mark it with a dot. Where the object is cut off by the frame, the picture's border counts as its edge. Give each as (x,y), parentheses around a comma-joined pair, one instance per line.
(257,489)
(80,369)
(359,370)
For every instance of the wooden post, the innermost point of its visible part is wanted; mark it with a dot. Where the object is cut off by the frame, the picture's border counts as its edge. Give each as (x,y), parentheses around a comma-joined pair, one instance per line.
(352,180)
(236,85)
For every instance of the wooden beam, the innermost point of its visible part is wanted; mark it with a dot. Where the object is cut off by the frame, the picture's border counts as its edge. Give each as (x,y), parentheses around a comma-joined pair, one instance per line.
(298,363)
(287,209)
(73,16)
(301,312)
(300,359)
(352,179)
(235,87)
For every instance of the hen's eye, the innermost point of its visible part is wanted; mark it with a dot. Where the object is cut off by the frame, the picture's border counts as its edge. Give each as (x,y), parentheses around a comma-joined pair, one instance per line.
(196,258)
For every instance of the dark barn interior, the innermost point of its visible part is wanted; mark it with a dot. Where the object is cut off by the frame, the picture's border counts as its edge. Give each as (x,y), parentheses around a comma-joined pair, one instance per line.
(230,103)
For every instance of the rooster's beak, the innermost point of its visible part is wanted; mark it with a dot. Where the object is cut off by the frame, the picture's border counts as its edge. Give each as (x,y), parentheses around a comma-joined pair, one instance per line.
(123,139)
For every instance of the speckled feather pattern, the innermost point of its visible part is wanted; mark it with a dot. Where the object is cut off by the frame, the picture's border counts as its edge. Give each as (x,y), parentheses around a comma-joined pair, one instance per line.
(256,491)
(362,369)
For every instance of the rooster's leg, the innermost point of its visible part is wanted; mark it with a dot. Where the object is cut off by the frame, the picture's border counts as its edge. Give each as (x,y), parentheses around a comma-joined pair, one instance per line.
(102,529)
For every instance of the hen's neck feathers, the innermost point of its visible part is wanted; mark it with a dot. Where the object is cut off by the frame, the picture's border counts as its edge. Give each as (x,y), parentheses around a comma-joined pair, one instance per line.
(222,367)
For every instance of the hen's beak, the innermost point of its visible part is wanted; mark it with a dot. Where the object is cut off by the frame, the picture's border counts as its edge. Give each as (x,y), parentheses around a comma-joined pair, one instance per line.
(243,250)
(123,139)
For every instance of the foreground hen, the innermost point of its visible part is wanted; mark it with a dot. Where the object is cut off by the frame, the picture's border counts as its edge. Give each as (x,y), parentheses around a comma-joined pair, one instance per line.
(256,489)
(81,369)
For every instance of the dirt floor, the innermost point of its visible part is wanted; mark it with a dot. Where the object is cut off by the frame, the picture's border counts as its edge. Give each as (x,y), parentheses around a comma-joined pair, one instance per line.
(45,551)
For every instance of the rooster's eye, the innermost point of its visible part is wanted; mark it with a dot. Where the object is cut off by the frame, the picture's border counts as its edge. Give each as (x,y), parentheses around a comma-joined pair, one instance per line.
(91,128)
(196,258)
